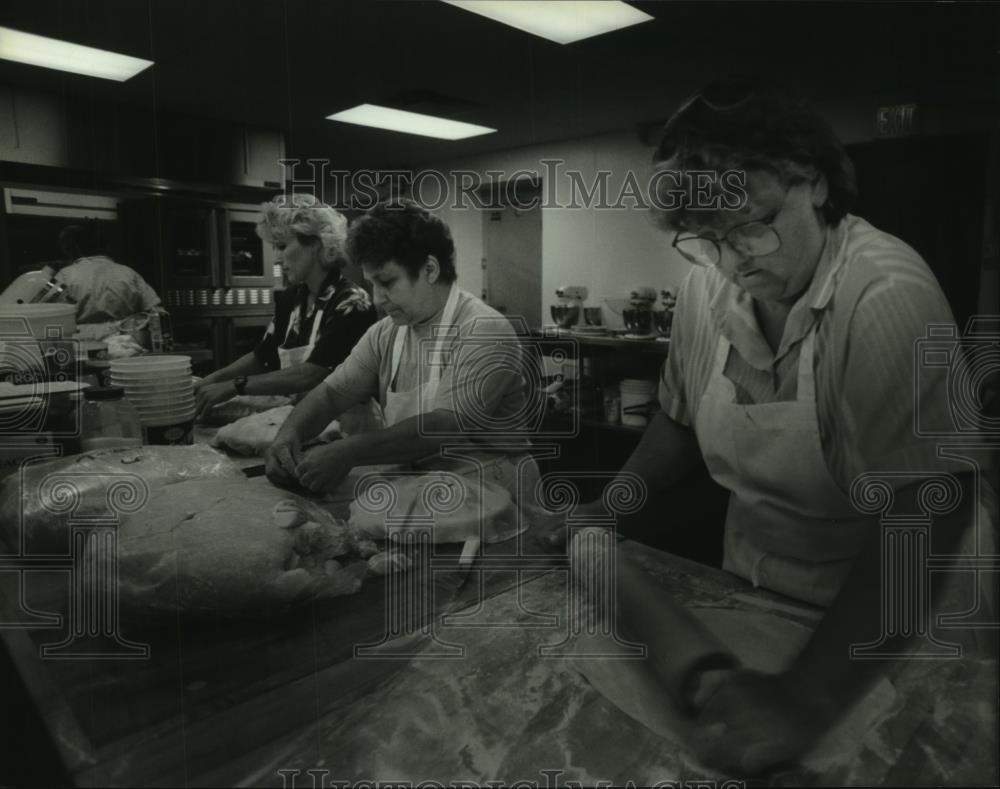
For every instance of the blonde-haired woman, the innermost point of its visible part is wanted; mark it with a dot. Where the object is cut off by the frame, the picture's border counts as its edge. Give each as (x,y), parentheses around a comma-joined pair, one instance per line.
(317,319)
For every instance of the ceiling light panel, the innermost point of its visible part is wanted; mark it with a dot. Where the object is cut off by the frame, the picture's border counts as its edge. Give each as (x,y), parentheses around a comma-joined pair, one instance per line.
(52,53)
(409,122)
(562,21)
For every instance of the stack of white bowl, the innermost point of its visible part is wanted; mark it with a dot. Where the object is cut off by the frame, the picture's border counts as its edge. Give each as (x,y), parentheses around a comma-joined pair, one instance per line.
(159,387)
(638,401)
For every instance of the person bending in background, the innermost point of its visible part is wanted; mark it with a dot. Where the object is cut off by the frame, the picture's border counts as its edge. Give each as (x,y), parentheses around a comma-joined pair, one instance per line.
(317,320)
(104,291)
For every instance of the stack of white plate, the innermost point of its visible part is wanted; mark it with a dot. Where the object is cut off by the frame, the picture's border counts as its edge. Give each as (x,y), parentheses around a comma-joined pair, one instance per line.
(159,387)
(638,401)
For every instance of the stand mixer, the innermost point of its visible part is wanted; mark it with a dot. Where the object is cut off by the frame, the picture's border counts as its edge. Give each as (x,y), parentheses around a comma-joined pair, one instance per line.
(567,313)
(665,318)
(35,287)
(639,316)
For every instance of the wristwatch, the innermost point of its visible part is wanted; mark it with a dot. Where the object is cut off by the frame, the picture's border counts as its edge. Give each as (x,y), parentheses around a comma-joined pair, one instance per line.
(240,384)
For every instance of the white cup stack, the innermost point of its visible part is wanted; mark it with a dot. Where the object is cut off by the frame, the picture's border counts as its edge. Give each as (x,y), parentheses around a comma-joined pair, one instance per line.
(159,388)
(638,399)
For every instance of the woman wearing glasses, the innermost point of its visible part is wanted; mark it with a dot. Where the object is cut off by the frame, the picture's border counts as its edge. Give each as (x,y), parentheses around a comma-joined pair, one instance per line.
(791,372)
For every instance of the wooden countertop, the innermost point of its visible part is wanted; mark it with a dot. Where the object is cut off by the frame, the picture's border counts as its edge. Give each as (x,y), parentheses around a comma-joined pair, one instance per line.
(460,698)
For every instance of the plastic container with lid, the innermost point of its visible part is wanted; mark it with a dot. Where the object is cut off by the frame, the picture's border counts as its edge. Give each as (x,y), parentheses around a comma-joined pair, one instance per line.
(108,420)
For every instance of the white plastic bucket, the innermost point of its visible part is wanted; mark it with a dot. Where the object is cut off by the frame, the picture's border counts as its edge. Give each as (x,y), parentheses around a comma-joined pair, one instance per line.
(148,364)
(59,318)
(638,401)
(162,416)
(171,381)
(170,400)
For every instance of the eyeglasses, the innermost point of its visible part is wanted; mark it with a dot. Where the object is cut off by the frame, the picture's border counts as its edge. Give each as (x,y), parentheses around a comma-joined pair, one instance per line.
(751,239)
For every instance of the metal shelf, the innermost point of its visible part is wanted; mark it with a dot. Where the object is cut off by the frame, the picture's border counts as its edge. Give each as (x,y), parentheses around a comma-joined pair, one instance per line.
(657,347)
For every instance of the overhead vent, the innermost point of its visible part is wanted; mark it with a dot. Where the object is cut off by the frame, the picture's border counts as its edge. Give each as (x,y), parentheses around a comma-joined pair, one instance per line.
(72,206)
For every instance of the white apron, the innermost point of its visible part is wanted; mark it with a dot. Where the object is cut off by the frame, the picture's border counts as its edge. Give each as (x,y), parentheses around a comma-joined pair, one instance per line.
(289,357)
(358,419)
(789,527)
(500,468)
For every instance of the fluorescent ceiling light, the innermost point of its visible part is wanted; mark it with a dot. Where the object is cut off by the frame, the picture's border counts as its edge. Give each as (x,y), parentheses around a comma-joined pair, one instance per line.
(65,56)
(409,122)
(562,21)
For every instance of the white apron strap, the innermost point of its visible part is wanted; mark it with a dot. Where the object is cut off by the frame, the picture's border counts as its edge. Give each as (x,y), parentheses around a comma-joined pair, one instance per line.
(317,322)
(300,312)
(447,319)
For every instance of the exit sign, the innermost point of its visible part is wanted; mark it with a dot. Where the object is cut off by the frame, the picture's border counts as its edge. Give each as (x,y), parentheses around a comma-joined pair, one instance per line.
(896,120)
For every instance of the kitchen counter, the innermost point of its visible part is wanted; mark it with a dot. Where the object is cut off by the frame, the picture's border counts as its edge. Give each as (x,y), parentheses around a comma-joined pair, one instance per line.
(618,341)
(464,695)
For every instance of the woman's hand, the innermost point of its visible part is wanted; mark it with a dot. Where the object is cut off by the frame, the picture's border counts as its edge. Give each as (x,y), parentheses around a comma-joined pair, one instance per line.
(281,460)
(207,395)
(755,723)
(324,467)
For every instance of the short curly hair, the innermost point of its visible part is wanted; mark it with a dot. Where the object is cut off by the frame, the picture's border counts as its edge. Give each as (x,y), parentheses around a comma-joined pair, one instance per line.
(310,221)
(400,230)
(734,126)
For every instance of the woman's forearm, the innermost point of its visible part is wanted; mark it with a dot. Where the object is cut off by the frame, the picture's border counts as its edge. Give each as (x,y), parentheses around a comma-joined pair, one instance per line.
(311,416)
(402,442)
(665,455)
(825,670)
(248,365)
(292,380)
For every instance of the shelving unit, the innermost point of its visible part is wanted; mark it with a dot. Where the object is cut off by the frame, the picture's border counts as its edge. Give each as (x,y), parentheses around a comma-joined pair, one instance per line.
(655,347)
(687,519)
(597,444)
(588,424)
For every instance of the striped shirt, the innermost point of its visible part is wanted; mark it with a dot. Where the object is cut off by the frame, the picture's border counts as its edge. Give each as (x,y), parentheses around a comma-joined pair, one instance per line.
(872,298)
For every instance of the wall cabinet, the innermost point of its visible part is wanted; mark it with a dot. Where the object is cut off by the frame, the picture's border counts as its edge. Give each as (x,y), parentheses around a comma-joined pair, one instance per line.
(198,246)
(257,155)
(32,128)
(103,133)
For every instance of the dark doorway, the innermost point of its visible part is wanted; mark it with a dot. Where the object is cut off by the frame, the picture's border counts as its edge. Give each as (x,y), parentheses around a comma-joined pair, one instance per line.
(930,192)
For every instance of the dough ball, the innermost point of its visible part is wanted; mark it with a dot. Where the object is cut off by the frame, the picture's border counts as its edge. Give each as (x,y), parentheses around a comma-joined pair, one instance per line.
(287,515)
(291,584)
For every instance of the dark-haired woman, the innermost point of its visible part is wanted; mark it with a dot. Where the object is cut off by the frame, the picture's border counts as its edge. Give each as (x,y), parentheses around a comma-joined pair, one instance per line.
(792,372)
(444,366)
